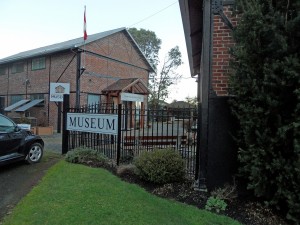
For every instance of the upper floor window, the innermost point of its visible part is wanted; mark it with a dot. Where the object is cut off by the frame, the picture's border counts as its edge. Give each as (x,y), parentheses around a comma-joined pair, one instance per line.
(38,63)
(2,70)
(17,67)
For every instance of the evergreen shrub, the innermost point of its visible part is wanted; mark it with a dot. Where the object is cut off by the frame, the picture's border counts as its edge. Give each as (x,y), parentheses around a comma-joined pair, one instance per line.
(265,84)
(86,156)
(160,166)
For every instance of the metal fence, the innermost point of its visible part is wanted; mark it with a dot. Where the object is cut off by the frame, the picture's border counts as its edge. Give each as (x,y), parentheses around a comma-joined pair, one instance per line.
(141,130)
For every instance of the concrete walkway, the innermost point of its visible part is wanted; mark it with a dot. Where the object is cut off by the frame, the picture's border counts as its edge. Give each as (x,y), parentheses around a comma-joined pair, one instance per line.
(53,142)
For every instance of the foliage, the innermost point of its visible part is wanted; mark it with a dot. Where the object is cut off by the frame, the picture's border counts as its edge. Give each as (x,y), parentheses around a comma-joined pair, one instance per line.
(86,156)
(228,192)
(215,204)
(168,76)
(192,100)
(148,43)
(266,89)
(24,120)
(161,81)
(160,166)
(126,169)
(218,197)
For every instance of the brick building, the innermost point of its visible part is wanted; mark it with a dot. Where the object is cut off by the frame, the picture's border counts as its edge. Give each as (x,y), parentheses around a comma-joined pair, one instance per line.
(208,32)
(90,68)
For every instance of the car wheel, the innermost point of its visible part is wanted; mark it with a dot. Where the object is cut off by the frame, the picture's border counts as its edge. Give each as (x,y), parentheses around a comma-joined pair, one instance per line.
(35,153)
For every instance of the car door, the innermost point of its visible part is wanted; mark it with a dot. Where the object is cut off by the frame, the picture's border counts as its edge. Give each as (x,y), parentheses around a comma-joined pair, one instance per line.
(10,137)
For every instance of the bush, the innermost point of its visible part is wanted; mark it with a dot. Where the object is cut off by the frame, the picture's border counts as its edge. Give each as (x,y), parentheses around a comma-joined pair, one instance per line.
(160,166)
(124,170)
(215,204)
(228,192)
(265,85)
(86,156)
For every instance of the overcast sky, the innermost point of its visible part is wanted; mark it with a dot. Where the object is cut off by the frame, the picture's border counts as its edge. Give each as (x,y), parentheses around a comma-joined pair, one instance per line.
(31,24)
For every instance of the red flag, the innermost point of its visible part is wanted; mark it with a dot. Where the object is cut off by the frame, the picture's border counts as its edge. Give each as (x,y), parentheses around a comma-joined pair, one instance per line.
(84,26)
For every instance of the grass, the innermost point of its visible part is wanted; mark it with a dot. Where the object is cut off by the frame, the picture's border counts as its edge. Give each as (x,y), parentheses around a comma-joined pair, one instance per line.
(76,194)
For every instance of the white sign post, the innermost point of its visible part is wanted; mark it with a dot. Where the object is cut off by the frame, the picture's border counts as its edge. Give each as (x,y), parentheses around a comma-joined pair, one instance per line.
(57,91)
(132,97)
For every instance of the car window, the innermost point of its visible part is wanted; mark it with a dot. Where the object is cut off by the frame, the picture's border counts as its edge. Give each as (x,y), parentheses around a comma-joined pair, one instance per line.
(6,125)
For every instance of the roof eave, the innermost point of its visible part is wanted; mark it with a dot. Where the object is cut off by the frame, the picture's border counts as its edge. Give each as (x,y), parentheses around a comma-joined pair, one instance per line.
(192,19)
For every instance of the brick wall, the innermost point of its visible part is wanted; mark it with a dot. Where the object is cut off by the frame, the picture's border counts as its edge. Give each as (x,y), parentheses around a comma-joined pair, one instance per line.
(116,46)
(222,41)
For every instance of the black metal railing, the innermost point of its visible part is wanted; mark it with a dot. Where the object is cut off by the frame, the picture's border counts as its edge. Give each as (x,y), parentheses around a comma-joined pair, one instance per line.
(141,130)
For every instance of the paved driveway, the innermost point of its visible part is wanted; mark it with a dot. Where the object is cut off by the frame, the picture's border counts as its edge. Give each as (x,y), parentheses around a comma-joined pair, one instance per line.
(53,142)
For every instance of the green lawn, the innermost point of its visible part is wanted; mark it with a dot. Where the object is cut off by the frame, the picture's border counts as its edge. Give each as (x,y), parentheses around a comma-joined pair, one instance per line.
(76,194)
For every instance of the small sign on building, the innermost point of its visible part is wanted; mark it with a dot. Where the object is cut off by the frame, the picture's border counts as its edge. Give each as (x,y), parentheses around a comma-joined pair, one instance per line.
(57,91)
(132,97)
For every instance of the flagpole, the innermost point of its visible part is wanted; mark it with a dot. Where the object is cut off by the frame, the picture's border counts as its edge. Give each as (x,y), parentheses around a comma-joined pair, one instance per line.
(84,35)
(80,68)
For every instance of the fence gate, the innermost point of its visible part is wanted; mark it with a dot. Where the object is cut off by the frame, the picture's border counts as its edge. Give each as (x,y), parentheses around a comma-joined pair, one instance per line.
(138,130)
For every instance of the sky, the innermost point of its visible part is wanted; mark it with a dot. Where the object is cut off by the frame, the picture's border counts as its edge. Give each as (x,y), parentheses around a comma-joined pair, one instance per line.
(30,24)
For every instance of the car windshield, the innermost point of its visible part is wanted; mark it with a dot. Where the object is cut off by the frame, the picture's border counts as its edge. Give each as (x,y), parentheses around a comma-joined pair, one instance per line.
(6,125)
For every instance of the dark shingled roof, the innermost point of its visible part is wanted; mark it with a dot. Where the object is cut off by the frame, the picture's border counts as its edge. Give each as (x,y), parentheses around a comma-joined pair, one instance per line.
(123,85)
(74,43)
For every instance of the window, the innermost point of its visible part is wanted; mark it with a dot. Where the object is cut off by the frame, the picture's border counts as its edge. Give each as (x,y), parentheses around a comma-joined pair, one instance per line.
(93,99)
(38,63)
(17,67)
(2,70)
(38,96)
(15,98)
(6,125)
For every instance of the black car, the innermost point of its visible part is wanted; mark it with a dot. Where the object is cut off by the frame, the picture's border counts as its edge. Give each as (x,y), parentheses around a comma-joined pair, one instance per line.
(18,144)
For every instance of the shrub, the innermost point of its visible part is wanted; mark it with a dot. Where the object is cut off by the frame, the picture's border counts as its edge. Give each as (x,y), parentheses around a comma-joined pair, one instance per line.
(124,170)
(215,204)
(265,85)
(160,166)
(228,192)
(86,156)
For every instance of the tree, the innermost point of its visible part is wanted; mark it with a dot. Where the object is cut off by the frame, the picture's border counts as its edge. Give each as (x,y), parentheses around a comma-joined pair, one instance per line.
(148,43)
(161,81)
(192,100)
(266,86)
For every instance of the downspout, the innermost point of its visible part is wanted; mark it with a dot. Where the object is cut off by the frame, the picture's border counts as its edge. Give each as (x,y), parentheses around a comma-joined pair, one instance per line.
(7,92)
(49,81)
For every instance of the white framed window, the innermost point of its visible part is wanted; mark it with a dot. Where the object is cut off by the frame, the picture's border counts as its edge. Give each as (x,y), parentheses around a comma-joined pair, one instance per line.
(93,102)
(93,99)
(38,63)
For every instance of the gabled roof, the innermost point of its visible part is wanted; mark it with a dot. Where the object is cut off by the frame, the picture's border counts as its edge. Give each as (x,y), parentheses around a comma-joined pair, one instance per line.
(72,44)
(123,85)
